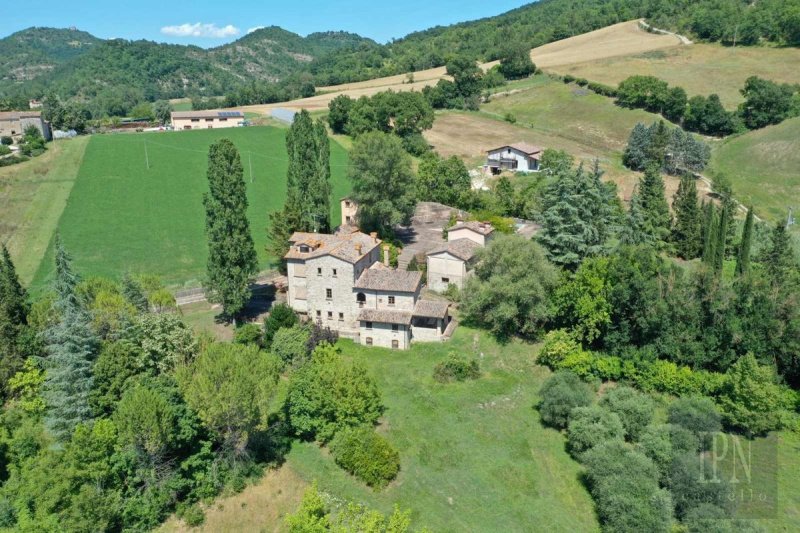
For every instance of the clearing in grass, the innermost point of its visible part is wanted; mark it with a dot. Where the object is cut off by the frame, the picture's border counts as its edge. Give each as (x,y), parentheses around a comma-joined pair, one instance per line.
(137,202)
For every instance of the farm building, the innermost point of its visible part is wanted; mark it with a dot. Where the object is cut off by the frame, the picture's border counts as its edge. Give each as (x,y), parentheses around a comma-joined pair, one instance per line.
(14,123)
(340,282)
(518,157)
(452,262)
(192,120)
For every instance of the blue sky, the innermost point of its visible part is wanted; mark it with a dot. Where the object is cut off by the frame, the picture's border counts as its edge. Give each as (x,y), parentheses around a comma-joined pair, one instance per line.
(213,22)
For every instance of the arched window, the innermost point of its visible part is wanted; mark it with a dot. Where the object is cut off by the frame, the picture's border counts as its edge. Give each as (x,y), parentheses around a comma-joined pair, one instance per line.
(361,298)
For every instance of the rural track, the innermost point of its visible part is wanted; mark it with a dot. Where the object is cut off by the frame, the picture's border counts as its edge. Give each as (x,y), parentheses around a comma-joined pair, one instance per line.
(192,296)
(682,38)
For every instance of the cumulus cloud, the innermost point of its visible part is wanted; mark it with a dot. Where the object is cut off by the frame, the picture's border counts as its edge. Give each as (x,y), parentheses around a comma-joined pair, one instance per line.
(198,29)
(255,28)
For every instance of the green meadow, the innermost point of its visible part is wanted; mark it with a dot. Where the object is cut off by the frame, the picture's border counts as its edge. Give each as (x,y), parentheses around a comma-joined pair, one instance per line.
(136,204)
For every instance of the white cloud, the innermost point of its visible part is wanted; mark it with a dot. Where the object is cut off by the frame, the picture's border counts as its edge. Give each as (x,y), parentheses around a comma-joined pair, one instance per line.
(255,28)
(199,29)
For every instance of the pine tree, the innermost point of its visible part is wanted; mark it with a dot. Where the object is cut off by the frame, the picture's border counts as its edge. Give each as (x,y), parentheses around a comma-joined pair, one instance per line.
(133,292)
(709,232)
(743,254)
(659,137)
(231,253)
(655,209)
(636,231)
(635,154)
(71,347)
(779,261)
(721,235)
(13,318)
(686,232)
(576,217)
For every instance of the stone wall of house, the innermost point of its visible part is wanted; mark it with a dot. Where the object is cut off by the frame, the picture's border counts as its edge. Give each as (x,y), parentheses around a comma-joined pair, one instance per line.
(403,301)
(419,334)
(383,335)
(444,269)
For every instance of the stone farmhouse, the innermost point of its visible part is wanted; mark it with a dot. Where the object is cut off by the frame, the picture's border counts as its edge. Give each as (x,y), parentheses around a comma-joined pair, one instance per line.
(193,120)
(14,123)
(340,282)
(517,157)
(452,262)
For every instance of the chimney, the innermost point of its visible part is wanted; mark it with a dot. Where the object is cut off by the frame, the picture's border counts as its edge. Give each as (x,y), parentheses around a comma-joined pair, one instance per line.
(374,236)
(358,248)
(386,254)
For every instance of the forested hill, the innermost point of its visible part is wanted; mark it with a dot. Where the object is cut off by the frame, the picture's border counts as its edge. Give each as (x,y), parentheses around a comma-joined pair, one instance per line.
(740,22)
(74,63)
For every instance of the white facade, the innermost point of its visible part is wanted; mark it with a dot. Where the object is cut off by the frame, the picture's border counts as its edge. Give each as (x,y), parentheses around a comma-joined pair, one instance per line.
(445,269)
(517,157)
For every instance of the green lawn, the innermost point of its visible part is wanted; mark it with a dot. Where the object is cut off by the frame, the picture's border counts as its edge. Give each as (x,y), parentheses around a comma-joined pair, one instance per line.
(122,216)
(474,456)
(764,166)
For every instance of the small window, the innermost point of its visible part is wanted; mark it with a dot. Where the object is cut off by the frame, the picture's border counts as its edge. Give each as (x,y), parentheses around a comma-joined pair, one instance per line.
(209,120)
(330,315)
(395,327)
(329,294)
(341,317)
(304,249)
(445,280)
(334,272)
(319,313)
(395,344)
(319,271)
(347,219)
(195,120)
(369,341)
(391,300)
(223,120)
(368,325)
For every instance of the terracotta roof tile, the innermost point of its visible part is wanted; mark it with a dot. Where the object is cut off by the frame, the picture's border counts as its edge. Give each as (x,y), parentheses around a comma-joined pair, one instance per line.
(348,247)
(463,249)
(388,279)
(431,309)
(385,316)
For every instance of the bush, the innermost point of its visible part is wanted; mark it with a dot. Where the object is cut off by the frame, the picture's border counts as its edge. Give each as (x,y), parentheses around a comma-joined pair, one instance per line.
(624,485)
(6,140)
(280,316)
(511,118)
(558,344)
(561,393)
(366,455)
(4,150)
(590,426)
(416,145)
(662,443)
(248,334)
(456,368)
(691,484)
(291,344)
(583,82)
(328,394)
(605,90)
(192,515)
(568,78)
(634,409)
(697,414)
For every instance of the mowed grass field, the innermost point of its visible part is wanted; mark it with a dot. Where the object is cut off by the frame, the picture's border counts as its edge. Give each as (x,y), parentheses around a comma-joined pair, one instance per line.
(122,216)
(32,197)
(764,166)
(699,68)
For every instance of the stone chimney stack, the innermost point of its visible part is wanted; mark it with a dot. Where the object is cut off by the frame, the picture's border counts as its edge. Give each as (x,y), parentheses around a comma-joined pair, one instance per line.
(374,236)
(358,248)
(386,254)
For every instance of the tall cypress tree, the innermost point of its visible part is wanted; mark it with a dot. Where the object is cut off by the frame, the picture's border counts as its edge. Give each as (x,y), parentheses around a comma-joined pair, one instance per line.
(636,231)
(778,259)
(71,347)
(709,232)
(655,209)
(686,232)
(232,260)
(13,318)
(308,174)
(721,236)
(743,254)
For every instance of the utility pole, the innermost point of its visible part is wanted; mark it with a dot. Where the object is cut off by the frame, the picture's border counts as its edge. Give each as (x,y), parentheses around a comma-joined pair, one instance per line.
(146,157)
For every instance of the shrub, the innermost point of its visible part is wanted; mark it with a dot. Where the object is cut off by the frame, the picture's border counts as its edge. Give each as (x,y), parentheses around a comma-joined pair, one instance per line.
(416,145)
(568,78)
(691,485)
(4,150)
(605,90)
(280,316)
(624,485)
(291,344)
(319,335)
(583,82)
(511,118)
(634,409)
(6,140)
(328,394)
(456,368)
(697,414)
(558,344)
(590,426)
(662,443)
(561,393)
(248,334)
(366,455)
(192,515)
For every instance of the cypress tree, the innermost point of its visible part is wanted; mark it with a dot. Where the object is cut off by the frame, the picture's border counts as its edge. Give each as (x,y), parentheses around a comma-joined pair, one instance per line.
(686,232)
(71,347)
(709,232)
(133,292)
(655,209)
(659,137)
(13,318)
(743,254)
(231,253)
(308,175)
(721,236)
(778,259)
(636,231)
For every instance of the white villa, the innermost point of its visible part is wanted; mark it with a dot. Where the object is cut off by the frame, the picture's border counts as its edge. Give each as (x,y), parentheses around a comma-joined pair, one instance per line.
(452,262)
(517,157)
(340,282)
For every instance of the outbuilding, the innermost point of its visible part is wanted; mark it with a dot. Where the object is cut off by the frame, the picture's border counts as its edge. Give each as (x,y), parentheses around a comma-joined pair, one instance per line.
(517,157)
(193,120)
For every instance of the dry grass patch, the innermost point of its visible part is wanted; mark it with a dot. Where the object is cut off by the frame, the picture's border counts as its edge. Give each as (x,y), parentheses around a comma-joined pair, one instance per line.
(258,508)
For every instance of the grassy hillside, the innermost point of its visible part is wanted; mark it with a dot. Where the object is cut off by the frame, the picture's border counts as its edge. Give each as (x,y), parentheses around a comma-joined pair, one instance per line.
(123,216)
(699,68)
(764,166)
(32,197)
(30,53)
